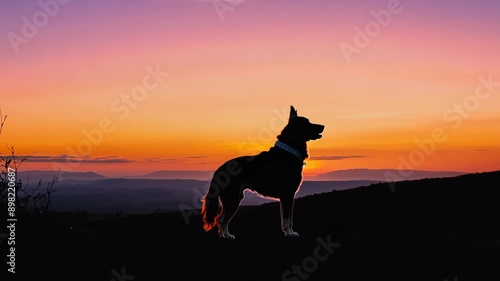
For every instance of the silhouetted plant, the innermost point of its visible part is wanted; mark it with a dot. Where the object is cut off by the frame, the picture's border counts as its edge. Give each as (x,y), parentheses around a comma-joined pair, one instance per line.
(28,199)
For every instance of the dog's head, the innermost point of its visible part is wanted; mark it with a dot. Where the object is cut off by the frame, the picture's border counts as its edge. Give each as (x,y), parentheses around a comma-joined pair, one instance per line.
(299,128)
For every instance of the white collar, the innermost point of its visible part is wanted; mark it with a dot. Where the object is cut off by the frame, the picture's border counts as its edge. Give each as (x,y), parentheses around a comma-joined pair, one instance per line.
(289,149)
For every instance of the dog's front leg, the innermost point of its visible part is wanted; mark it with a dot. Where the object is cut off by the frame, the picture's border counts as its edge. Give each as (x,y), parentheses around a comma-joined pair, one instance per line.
(286,208)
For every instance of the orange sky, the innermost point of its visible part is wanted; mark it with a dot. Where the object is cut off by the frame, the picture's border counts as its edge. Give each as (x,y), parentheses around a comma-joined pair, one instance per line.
(231,81)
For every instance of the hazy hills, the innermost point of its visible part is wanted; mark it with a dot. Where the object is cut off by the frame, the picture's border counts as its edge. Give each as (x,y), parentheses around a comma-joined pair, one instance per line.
(167,190)
(148,195)
(339,175)
(33,176)
(383,175)
(174,174)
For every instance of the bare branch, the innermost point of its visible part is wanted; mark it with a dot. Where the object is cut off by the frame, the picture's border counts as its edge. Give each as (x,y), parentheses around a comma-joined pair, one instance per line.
(2,121)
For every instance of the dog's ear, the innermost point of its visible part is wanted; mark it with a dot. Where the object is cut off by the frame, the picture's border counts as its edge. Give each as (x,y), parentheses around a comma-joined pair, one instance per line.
(293,113)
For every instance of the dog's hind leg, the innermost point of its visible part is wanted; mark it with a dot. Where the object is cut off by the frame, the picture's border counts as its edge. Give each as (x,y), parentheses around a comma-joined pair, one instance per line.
(231,203)
(286,208)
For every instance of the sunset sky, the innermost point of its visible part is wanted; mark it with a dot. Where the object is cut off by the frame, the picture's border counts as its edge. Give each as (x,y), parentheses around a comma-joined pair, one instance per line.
(87,81)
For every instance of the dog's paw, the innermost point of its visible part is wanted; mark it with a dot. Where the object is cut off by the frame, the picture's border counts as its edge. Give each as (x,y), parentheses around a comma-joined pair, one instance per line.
(227,236)
(291,233)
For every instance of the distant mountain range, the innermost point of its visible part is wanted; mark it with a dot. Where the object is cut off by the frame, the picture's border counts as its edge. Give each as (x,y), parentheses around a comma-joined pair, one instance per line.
(167,190)
(179,175)
(148,195)
(383,175)
(37,175)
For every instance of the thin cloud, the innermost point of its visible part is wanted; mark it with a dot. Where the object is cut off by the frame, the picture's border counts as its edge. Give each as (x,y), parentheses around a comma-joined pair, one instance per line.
(64,158)
(179,159)
(378,115)
(336,157)
(159,159)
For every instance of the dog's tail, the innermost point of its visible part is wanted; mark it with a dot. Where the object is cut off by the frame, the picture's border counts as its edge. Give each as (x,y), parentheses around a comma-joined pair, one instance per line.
(210,209)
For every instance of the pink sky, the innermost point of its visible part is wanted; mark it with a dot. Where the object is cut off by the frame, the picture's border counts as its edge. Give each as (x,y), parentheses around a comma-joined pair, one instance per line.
(228,78)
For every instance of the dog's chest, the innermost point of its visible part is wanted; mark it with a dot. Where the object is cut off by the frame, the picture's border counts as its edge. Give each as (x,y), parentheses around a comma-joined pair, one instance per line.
(273,178)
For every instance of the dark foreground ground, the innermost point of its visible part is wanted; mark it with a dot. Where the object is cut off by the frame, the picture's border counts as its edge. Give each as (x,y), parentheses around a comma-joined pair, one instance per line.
(437,229)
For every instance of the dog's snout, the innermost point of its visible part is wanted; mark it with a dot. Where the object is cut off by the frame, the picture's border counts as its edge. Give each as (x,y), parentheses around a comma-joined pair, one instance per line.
(320,127)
